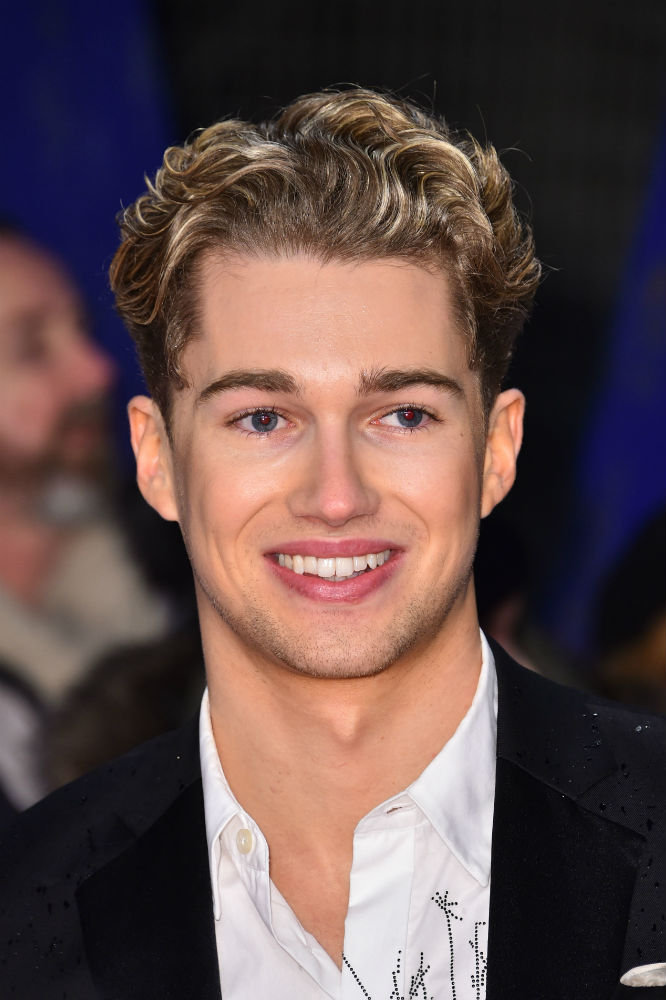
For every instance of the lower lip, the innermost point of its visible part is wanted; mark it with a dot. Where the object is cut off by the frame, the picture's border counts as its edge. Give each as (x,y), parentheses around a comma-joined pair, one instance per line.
(318,588)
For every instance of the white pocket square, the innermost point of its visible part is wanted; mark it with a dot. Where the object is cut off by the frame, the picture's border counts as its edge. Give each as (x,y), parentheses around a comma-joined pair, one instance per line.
(645,975)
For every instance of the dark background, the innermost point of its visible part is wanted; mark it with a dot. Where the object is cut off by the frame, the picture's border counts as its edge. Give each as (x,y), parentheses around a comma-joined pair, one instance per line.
(573,93)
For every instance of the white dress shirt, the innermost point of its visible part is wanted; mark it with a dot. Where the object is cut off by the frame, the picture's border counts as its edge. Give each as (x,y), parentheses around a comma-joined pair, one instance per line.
(418,892)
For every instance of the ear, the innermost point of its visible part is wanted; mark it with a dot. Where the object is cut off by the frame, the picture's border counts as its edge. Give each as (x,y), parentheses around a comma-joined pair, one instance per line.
(503,440)
(152,450)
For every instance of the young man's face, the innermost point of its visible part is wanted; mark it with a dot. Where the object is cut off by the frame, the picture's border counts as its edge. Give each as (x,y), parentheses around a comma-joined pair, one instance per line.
(331,415)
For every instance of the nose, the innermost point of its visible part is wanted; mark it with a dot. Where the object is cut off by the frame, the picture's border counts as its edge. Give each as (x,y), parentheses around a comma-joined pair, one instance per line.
(91,370)
(334,487)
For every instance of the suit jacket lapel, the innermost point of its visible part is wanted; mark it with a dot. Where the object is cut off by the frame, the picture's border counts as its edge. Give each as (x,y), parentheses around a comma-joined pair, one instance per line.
(147,916)
(559,906)
(562,874)
(565,856)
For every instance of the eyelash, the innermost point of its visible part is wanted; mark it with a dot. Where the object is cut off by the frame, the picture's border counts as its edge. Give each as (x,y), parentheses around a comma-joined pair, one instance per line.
(235,421)
(412,406)
(248,413)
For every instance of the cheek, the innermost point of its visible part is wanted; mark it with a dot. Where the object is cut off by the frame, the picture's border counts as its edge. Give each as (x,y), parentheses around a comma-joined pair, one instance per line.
(444,490)
(28,415)
(221,497)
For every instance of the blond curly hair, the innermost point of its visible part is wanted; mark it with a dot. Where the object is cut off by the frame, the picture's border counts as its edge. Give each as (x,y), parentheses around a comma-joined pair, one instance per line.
(347,175)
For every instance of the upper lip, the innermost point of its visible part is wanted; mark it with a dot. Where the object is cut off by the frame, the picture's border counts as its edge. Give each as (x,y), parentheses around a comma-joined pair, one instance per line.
(331,548)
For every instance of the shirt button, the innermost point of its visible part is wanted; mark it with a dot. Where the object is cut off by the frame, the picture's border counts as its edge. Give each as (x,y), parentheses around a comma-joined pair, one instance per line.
(244,841)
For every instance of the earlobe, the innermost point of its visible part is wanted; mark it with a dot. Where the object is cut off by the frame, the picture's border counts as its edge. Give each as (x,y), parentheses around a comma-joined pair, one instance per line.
(152,451)
(503,441)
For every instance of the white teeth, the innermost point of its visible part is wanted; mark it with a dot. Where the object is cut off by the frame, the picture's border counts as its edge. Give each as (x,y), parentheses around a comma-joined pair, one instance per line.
(344,566)
(325,567)
(339,568)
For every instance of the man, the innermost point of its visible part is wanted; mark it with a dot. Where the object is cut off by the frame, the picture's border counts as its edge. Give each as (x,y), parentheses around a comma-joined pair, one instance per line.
(376,803)
(69,589)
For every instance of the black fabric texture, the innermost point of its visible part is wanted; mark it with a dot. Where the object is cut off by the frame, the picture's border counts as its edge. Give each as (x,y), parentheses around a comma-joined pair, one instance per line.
(53,848)
(105,894)
(147,916)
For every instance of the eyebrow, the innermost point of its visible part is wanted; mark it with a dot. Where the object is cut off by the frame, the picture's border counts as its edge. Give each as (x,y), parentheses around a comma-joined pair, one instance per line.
(375,381)
(264,379)
(395,379)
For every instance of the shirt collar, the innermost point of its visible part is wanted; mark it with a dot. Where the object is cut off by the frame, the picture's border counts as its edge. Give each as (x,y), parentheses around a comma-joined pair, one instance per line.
(220,805)
(456,791)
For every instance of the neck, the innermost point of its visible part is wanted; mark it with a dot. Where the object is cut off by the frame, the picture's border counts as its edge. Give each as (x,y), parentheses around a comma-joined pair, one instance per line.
(308,757)
(331,750)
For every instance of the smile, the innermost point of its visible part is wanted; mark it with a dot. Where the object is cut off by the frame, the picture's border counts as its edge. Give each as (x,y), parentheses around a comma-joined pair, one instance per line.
(336,569)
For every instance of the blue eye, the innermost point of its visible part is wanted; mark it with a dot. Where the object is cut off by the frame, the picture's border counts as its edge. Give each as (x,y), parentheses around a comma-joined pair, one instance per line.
(258,421)
(264,421)
(409,417)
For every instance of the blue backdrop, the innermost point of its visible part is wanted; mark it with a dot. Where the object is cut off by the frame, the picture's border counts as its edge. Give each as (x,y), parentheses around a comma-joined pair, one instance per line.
(621,469)
(83,117)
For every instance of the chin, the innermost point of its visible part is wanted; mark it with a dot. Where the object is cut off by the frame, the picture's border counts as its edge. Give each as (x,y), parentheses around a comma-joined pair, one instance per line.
(336,651)
(337,664)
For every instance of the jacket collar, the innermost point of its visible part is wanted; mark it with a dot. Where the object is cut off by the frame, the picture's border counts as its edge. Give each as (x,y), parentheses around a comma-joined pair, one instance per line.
(569,872)
(569,842)
(147,915)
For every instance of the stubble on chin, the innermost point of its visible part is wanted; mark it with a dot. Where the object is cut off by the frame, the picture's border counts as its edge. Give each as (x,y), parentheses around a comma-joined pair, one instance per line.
(338,651)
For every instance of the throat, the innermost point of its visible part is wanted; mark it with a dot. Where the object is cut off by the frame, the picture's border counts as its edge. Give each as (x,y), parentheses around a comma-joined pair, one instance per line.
(299,877)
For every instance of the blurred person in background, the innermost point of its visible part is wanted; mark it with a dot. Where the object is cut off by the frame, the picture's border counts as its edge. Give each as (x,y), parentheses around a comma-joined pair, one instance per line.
(129,695)
(70,588)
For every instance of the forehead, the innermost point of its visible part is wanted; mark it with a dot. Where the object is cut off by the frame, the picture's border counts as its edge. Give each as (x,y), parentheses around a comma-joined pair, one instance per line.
(31,280)
(321,318)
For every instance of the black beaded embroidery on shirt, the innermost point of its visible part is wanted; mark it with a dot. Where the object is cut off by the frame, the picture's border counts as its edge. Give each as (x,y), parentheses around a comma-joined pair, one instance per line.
(417,984)
(481,965)
(418,988)
(447,906)
(356,978)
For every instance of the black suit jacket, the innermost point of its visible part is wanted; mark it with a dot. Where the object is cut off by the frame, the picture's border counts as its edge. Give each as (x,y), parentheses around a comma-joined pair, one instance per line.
(105,890)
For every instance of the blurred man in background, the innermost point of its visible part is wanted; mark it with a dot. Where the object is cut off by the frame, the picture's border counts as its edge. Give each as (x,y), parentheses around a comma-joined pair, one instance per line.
(69,589)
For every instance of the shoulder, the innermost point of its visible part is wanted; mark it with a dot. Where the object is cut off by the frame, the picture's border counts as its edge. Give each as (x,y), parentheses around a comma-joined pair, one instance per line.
(54,847)
(581,786)
(556,728)
(78,828)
